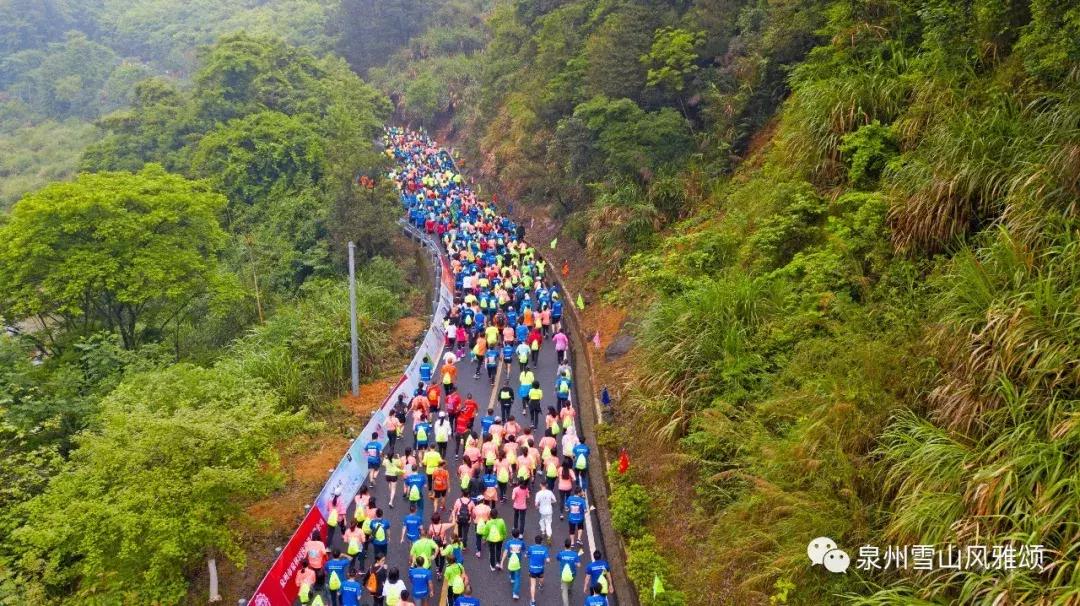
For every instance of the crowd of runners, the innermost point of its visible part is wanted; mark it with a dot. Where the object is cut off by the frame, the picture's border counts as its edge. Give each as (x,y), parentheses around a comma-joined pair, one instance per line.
(468,472)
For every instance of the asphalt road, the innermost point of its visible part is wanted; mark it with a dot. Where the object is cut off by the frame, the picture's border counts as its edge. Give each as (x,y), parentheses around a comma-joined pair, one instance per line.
(492,588)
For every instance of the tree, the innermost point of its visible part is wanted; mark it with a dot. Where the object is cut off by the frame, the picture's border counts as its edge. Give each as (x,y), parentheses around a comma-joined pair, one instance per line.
(249,157)
(613,52)
(124,251)
(671,60)
(159,486)
(371,30)
(634,142)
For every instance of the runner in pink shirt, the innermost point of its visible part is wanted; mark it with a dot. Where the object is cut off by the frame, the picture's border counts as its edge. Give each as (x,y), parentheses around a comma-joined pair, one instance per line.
(520,502)
(561,343)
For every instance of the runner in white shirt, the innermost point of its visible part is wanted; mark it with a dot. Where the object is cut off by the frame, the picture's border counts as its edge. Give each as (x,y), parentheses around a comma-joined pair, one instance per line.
(545,501)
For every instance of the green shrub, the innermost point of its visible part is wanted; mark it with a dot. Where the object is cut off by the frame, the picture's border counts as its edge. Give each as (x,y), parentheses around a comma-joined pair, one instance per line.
(643,564)
(867,151)
(630,505)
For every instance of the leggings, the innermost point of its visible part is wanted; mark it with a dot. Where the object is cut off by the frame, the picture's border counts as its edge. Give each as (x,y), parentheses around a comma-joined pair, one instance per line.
(495,551)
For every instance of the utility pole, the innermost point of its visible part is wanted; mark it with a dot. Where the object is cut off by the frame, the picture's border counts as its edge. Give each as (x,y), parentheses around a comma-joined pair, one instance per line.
(352,321)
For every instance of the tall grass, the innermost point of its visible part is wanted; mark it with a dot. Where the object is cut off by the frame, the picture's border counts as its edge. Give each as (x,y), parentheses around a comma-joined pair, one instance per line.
(303,350)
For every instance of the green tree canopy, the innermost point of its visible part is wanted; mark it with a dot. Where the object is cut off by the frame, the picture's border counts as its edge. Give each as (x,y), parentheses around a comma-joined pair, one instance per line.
(671,58)
(248,157)
(631,141)
(120,250)
(178,454)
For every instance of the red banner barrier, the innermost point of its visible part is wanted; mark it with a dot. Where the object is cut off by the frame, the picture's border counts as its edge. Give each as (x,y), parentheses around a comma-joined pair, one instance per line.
(278,587)
(447,274)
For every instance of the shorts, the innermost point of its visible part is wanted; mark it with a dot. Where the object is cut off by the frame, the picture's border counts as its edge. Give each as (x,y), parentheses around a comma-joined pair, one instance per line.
(556,318)
(371,465)
(576,526)
(391,479)
(440,494)
(536,575)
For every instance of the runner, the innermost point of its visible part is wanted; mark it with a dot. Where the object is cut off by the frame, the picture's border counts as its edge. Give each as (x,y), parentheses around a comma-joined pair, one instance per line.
(515,555)
(545,501)
(351,590)
(576,509)
(421,579)
(394,588)
(538,559)
(599,572)
(336,576)
(569,562)
(495,535)
(374,450)
(393,466)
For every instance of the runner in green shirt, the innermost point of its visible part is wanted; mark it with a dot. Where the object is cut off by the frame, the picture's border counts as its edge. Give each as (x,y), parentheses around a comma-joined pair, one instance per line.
(424,547)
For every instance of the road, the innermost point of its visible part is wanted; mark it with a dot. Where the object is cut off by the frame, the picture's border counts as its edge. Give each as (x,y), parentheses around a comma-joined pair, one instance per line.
(492,588)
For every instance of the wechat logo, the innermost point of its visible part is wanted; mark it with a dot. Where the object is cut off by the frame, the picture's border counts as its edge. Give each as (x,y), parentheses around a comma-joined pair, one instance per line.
(823,550)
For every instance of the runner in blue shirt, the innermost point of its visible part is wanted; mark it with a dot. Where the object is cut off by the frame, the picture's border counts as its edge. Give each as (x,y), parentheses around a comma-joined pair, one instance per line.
(411,525)
(467,599)
(422,432)
(507,355)
(379,540)
(374,457)
(336,574)
(581,464)
(422,586)
(538,558)
(569,561)
(596,599)
(514,553)
(350,590)
(576,508)
(425,370)
(599,572)
(491,361)
(486,422)
(415,483)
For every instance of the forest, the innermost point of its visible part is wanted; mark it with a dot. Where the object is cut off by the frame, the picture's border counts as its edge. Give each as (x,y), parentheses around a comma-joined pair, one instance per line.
(840,235)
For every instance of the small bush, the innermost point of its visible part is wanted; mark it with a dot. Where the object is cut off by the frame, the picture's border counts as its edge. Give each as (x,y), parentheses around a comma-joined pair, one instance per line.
(630,506)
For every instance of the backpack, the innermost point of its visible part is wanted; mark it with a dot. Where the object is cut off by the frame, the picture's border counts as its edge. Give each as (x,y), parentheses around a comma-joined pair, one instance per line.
(514,563)
(305,593)
(380,533)
(332,520)
(464,482)
(446,379)
(421,434)
(372,583)
(335,581)
(567,574)
(580,463)
(463,515)
(414,493)
(354,546)
(317,600)
(458,585)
